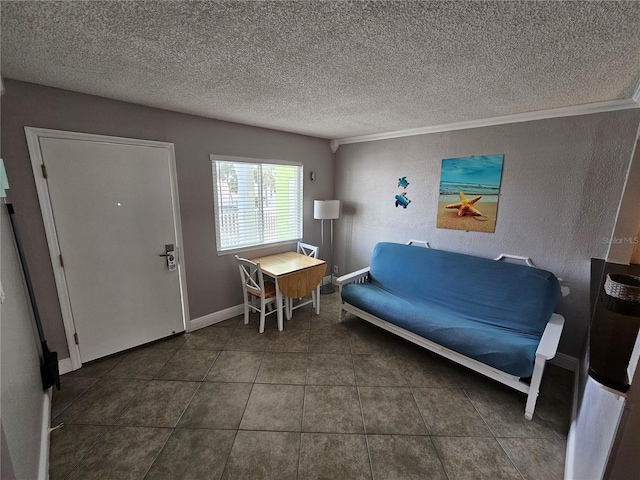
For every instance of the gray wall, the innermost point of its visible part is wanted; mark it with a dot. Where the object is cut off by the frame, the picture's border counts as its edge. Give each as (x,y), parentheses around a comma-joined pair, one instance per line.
(561,185)
(626,233)
(21,394)
(212,281)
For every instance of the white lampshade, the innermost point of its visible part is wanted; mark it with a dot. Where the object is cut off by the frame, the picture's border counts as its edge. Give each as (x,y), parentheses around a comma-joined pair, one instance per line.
(326,209)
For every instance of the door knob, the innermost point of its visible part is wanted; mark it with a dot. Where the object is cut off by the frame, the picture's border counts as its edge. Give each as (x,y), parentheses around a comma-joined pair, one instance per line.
(170,254)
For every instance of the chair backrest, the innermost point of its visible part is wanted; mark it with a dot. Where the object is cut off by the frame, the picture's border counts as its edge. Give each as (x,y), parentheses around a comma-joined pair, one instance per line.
(251,276)
(308,250)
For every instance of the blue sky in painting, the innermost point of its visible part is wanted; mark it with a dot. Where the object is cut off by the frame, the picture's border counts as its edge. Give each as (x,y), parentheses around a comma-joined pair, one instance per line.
(482,170)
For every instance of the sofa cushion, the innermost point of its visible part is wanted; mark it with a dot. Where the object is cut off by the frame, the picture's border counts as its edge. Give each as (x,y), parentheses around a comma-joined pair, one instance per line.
(502,348)
(503,295)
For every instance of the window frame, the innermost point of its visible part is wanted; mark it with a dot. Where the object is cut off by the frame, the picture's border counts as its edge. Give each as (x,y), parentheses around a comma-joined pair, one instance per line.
(213,158)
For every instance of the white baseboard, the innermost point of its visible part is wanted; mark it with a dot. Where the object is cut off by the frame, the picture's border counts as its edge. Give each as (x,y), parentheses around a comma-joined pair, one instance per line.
(43,462)
(215,317)
(565,361)
(64,366)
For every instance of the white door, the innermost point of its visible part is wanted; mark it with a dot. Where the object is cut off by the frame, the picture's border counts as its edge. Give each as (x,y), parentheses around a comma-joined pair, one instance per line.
(114,210)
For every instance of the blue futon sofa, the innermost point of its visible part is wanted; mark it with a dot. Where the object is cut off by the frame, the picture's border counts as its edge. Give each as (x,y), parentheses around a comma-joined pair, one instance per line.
(494,317)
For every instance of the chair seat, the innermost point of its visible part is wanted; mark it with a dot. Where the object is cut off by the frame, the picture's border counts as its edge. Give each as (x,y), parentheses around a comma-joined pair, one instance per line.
(269,290)
(255,288)
(309,251)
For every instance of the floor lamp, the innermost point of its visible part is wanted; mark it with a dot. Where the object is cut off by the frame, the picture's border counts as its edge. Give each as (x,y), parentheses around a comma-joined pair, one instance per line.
(326,210)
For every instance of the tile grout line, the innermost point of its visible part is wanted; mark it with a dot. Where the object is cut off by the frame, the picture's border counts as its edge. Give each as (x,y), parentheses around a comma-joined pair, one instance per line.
(237,430)
(364,425)
(128,405)
(253,383)
(88,451)
(429,435)
(75,399)
(510,459)
(304,401)
(98,379)
(211,366)
(188,404)
(107,426)
(464,392)
(159,451)
(172,428)
(202,382)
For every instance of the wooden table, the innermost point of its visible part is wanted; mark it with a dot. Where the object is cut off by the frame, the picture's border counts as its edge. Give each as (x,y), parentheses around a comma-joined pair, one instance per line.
(295,275)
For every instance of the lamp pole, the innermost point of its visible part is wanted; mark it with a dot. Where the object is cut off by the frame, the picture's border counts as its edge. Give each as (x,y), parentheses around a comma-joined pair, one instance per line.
(326,210)
(326,289)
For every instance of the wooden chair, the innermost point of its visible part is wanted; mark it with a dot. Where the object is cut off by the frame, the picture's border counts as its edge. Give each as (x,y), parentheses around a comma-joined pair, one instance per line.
(257,293)
(309,251)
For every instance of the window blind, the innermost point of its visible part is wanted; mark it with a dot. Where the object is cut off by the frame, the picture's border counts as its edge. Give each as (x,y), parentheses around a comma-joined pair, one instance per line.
(256,202)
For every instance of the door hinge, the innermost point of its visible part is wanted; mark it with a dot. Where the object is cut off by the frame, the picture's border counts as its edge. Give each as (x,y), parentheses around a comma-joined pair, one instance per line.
(61,261)
(44,171)
(75,338)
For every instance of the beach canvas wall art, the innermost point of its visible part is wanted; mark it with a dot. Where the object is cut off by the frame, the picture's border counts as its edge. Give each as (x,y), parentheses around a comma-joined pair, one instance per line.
(469,193)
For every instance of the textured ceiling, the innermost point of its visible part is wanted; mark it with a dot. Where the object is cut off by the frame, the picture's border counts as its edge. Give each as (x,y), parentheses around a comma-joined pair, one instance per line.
(330,69)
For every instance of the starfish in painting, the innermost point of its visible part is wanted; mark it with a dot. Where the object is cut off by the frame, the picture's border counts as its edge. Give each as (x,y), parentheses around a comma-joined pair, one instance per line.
(465,206)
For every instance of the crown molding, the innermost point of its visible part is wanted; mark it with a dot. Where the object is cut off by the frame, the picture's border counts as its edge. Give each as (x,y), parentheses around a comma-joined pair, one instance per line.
(587,109)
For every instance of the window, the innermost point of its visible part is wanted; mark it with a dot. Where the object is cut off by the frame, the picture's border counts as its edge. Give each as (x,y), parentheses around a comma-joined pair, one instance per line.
(257,202)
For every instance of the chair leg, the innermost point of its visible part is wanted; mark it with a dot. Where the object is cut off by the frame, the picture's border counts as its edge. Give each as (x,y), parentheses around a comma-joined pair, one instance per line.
(262,315)
(246,309)
(281,303)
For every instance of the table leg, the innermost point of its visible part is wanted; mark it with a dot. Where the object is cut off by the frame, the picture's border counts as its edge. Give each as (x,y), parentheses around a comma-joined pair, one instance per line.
(279,302)
(318,300)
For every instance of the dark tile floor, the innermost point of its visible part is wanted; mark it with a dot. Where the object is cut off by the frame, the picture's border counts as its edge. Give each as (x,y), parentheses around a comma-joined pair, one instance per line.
(321,399)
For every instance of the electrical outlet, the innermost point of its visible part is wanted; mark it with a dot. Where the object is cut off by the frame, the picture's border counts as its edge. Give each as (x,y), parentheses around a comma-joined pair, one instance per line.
(335,269)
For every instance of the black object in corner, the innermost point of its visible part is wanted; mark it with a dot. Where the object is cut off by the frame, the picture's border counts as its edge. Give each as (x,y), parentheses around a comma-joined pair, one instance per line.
(49,371)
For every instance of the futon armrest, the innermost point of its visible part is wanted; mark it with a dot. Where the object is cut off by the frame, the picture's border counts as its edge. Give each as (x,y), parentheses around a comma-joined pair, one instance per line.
(550,337)
(358,276)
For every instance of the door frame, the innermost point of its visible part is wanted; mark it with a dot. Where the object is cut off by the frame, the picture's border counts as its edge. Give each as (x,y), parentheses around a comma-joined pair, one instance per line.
(33,135)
